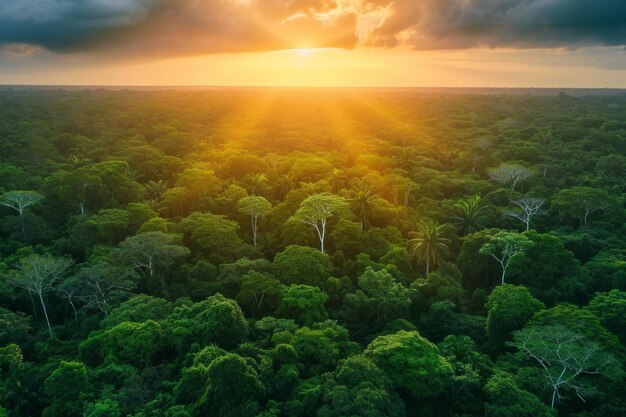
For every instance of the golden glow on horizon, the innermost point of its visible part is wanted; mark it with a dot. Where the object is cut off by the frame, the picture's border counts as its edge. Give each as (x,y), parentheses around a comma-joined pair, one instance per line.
(303,52)
(332,67)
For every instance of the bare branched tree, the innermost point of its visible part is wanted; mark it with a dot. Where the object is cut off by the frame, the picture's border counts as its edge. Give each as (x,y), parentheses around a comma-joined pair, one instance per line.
(510,174)
(527,207)
(565,357)
(39,275)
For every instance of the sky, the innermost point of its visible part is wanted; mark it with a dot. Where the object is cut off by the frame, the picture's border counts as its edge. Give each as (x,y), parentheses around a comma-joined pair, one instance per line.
(336,43)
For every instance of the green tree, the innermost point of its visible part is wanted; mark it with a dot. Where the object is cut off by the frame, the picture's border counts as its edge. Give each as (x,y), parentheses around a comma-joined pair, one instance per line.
(359,389)
(125,343)
(581,202)
(317,210)
(610,308)
(471,369)
(411,362)
(103,408)
(565,357)
(64,387)
(138,309)
(217,320)
(260,294)
(507,399)
(20,201)
(478,271)
(579,321)
(111,225)
(257,183)
(470,215)
(549,270)
(378,300)
(304,304)
(364,202)
(255,207)
(39,274)
(151,252)
(101,286)
(233,388)
(509,308)
(213,234)
(428,243)
(117,182)
(302,265)
(504,247)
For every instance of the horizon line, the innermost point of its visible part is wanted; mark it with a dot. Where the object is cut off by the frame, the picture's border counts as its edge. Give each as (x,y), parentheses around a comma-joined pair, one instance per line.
(299,87)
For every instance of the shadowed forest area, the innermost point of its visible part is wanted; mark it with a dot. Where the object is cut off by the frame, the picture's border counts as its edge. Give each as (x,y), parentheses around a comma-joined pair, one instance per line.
(286,253)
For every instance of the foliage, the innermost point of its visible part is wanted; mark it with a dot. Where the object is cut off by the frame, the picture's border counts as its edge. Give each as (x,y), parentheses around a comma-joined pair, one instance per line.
(411,362)
(565,358)
(509,308)
(428,243)
(504,247)
(298,253)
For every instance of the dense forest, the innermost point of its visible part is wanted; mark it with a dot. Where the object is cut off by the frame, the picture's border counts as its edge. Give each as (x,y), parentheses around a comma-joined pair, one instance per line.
(311,253)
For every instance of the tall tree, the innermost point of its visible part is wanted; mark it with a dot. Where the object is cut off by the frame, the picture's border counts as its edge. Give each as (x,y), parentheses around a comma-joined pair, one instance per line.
(510,174)
(504,247)
(428,243)
(509,307)
(527,208)
(255,207)
(470,216)
(565,357)
(317,210)
(257,183)
(39,274)
(214,234)
(101,286)
(363,202)
(149,251)
(20,201)
(581,202)
(411,362)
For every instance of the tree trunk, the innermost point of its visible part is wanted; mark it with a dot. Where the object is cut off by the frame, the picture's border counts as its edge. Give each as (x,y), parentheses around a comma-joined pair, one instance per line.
(427,264)
(503,273)
(22,224)
(253,230)
(45,312)
(32,301)
(553,398)
(150,268)
(322,238)
(74,309)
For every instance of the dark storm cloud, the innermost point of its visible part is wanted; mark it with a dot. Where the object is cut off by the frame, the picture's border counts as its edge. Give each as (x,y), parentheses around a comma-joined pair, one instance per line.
(67,24)
(459,24)
(175,26)
(197,26)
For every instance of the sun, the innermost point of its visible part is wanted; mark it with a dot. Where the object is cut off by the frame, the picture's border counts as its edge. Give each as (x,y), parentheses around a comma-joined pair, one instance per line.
(303,52)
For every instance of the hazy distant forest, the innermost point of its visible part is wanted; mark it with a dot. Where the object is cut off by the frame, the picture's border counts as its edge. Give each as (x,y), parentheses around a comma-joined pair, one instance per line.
(311,253)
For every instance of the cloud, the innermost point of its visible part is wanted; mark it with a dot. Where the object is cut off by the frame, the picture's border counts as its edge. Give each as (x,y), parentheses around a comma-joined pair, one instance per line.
(185,27)
(460,24)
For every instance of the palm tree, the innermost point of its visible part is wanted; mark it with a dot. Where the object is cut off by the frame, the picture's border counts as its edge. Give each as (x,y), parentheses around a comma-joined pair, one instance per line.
(428,244)
(363,202)
(256,182)
(470,216)
(336,180)
(154,189)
